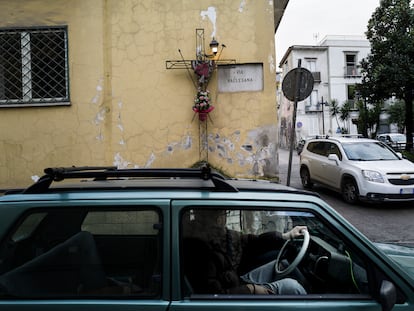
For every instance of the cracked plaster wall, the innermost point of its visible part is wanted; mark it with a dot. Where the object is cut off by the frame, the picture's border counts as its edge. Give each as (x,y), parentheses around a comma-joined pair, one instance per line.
(126,108)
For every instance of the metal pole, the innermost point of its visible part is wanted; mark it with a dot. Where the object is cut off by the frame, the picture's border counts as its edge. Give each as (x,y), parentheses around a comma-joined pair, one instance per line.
(298,78)
(323,118)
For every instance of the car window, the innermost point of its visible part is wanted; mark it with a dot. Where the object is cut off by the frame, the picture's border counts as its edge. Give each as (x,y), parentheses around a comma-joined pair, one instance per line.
(225,250)
(368,151)
(333,149)
(400,138)
(28,226)
(76,252)
(318,147)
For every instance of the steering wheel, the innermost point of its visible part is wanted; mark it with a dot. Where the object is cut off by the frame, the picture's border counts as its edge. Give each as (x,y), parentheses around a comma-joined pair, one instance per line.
(297,260)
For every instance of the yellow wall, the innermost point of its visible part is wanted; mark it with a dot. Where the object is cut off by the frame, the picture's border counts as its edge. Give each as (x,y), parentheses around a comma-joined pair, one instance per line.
(126,107)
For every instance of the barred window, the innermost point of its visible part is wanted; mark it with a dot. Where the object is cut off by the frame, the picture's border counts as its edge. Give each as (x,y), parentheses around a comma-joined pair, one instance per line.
(34,67)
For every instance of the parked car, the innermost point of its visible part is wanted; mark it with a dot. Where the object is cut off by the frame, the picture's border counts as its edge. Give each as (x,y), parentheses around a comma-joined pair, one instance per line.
(359,169)
(302,141)
(97,238)
(396,141)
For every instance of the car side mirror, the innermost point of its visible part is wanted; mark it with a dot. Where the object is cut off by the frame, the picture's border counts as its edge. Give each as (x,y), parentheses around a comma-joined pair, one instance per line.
(387,295)
(334,157)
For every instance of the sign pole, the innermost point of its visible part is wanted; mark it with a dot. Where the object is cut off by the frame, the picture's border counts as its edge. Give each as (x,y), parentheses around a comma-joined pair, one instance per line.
(298,76)
(296,86)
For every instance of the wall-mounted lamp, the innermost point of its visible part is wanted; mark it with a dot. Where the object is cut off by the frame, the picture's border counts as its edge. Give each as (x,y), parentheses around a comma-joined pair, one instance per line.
(214,46)
(201,55)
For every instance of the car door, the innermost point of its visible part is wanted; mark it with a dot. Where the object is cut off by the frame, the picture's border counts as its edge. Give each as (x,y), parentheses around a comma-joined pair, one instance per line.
(325,170)
(316,160)
(87,255)
(344,272)
(331,169)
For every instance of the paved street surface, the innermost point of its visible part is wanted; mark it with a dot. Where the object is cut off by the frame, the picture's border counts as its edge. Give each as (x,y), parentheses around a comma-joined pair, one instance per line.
(390,222)
(283,168)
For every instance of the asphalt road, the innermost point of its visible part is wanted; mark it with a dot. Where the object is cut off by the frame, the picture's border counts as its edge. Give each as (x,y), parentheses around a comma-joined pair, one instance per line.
(379,222)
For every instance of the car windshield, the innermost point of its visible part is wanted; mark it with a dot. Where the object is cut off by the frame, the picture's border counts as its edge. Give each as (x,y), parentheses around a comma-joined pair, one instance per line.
(368,151)
(400,138)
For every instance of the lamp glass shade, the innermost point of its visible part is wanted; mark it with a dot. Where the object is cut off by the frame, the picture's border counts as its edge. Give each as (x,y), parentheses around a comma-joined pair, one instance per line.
(214,46)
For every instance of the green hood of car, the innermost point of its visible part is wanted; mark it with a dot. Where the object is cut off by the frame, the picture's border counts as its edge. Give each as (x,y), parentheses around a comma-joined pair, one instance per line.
(402,255)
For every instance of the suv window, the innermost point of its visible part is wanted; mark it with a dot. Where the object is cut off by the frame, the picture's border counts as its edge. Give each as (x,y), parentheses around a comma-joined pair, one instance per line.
(318,147)
(369,151)
(333,149)
(324,148)
(77,252)
(222,246)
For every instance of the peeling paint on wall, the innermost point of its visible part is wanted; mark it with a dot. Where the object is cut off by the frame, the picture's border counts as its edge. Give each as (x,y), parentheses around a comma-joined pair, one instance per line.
(120,162)
(242,5)
(150,160)
(120,124)
(211,14)
(98,95)
(258,150)
(102,111)
(186,143)
(100,137)
(100,116)
(271,61)
(270,8)
(264,156)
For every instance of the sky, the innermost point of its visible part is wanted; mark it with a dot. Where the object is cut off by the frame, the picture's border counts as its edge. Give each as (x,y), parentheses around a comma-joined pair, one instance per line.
(306,22)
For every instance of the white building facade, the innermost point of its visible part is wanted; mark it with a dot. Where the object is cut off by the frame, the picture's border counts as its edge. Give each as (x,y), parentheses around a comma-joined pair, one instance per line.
(335,66)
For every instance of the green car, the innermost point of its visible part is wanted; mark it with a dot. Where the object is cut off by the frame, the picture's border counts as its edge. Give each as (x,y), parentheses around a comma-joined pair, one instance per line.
(100,238)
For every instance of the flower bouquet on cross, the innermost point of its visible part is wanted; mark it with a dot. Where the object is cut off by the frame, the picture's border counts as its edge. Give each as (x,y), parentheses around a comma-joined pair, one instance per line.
(202,104)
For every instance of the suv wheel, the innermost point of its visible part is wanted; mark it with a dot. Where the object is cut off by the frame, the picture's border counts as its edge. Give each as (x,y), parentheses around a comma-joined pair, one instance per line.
(305,178)
(350,191)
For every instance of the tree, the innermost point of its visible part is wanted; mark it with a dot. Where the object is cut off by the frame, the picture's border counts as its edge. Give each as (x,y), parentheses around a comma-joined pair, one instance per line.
(370,107)
(396,112)
(369,118)
(335,110)
(343,112)
(389,69)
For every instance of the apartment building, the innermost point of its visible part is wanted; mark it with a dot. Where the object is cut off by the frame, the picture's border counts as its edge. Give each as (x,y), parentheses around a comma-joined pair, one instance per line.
(334,63)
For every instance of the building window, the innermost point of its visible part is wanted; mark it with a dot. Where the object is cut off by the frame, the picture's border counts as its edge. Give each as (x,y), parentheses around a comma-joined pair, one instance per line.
(311,64)
(351,94)
(351,68)
(314,99)
(34,67)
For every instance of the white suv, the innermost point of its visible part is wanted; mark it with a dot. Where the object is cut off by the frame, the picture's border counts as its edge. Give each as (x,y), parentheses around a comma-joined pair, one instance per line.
(358,168)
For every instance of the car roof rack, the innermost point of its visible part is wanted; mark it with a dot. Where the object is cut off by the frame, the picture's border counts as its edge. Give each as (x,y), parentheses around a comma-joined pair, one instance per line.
(351,135)
(105,172)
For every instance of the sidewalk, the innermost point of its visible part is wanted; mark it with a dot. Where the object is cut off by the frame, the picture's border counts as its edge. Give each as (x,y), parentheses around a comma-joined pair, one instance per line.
(283,168)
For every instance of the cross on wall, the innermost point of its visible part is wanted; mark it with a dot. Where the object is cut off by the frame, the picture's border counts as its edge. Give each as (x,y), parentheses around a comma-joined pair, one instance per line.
(203,67)
(203,64)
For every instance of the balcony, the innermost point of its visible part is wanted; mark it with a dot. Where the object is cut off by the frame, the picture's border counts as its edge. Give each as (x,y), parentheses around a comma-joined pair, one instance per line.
(351,71)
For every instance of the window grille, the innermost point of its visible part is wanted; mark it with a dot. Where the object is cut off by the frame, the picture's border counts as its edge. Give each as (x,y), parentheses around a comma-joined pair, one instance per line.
(34,67)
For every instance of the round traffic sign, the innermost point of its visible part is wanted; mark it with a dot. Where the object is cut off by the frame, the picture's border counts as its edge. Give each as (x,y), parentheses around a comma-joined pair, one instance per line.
(298,84)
